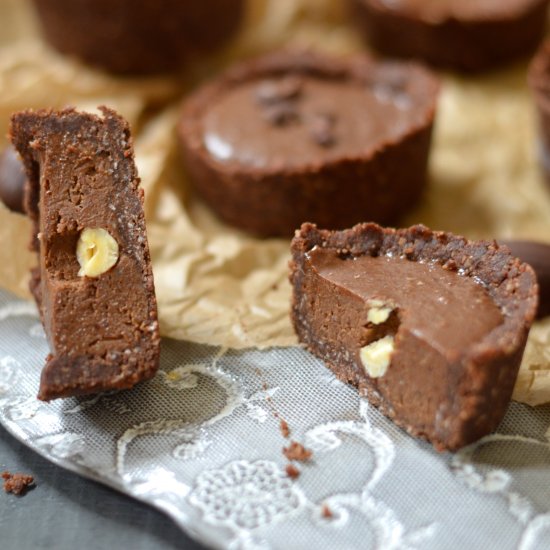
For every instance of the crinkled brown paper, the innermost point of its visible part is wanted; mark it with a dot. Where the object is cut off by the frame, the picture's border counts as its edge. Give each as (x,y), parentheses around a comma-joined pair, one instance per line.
(219,286)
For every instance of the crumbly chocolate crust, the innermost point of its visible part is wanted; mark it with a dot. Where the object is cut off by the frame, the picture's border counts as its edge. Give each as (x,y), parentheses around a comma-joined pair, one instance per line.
(470,40)
(381,183)
(138,36)
(103,331)
(478,383)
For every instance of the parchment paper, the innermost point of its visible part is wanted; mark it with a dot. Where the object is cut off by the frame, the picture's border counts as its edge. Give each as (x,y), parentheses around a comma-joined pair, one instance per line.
(218,286)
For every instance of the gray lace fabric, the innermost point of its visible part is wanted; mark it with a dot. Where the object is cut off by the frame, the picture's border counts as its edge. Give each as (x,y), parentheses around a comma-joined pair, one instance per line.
(202,441)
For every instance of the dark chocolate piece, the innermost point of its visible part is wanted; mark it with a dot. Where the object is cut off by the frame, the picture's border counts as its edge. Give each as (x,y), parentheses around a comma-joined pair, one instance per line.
(138,36)
(299,136)
(429,326)
(537,255)
(94,284)
(12,180)
(468,35)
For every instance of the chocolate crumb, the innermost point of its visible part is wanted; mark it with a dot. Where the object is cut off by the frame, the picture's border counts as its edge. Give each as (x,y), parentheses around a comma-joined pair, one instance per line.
(296,451)
(269,92)
(321,128)
(326,512)
(17,483)
(285,430)
(292,472)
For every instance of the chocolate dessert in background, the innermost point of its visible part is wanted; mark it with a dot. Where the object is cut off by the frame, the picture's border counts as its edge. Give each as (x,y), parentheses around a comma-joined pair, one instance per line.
(297,136)
(468,35)
(138,36)
(537,255)
(429,326)
(12,180)
(94,283)
(539,82)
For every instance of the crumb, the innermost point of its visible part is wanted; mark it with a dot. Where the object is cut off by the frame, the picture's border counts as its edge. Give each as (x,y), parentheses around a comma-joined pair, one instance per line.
(285,430)
(326,512)
(292,472)
(296,451)
(17,483)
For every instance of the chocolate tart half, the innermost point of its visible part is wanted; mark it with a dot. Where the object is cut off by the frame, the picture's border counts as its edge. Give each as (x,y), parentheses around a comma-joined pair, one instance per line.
(138,36)
(429,326)
(291,137)
(468,35)
(94,284)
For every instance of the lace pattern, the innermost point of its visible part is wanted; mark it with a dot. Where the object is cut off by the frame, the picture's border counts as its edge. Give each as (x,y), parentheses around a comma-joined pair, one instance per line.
(202,441)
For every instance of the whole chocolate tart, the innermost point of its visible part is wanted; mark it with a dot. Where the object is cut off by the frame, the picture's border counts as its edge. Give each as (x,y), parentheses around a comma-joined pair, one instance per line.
(468,35)
(429,326)
(138,36)
(93,284)
(539,82)
(297,136)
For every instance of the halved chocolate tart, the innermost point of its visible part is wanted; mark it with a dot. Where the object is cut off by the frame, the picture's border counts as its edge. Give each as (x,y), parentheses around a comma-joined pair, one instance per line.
(94,284)
(429,326)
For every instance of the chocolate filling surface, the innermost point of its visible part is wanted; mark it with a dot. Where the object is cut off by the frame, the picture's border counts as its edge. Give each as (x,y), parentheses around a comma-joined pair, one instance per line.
(295,121)
(448,312)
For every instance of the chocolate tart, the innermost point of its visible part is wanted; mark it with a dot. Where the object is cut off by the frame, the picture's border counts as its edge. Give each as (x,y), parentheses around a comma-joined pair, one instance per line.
(429,326)
(292,137)
(539,82)
(138,36)
(468,35)
(94,284)
(537,255)
(12,180)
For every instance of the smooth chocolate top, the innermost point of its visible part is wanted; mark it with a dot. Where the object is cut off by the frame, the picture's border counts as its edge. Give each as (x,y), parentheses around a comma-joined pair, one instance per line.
(448,311)
(296,120)
(461,9)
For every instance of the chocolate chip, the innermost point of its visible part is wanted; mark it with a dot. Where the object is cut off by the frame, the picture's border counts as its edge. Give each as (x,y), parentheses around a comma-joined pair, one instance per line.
(537,255)
(12,180)
(321,129)
(275,91)
(389,85)
(281,114)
